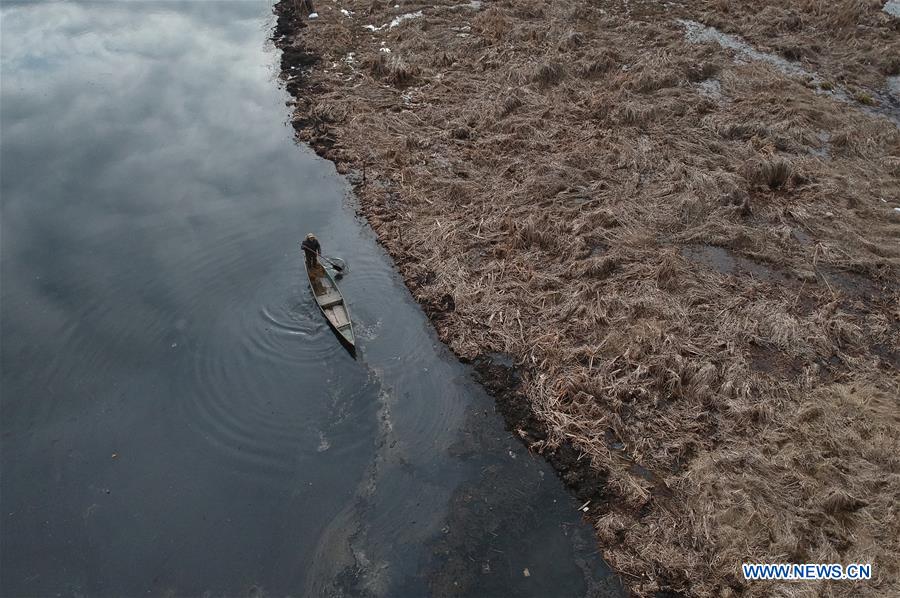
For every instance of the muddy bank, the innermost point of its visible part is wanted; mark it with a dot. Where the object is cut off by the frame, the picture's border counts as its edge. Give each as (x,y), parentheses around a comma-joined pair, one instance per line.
(675,265)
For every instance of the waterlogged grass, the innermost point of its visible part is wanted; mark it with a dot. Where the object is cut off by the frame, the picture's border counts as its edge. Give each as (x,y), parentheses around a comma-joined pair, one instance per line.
(864,97)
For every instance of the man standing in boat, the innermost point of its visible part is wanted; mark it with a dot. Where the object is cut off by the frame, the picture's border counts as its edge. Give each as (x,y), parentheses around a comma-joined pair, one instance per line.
(312,248)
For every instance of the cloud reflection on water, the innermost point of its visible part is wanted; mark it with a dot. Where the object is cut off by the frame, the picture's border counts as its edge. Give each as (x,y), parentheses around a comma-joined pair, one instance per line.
(104,101)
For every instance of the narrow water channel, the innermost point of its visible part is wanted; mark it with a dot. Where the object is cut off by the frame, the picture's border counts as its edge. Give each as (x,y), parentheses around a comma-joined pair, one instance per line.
(177,419)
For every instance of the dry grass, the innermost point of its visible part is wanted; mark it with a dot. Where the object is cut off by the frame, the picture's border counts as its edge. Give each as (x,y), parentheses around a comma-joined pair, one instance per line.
(548,75)
(772,172)
(541,173)
(394,71)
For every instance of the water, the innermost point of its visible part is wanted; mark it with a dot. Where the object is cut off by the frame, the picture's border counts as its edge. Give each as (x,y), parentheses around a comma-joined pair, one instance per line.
(176,416)
(727,262)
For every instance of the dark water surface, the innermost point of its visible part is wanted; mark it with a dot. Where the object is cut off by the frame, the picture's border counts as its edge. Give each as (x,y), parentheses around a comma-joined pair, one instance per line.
(177,419)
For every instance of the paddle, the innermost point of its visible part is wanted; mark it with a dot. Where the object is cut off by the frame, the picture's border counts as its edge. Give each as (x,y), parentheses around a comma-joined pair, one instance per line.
(337,267)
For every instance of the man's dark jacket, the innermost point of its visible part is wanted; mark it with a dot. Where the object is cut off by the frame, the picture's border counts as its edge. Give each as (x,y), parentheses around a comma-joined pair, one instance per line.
(311,247)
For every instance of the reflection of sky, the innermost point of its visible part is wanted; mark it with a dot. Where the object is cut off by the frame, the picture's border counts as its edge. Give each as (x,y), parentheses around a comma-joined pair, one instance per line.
(137,141)
(91,96)
(152,200)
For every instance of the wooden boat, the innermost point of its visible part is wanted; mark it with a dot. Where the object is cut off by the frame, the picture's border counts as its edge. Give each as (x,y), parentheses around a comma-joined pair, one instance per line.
(331,302)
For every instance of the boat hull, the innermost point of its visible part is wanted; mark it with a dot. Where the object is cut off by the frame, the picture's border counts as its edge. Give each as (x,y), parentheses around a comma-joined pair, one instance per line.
(331,303)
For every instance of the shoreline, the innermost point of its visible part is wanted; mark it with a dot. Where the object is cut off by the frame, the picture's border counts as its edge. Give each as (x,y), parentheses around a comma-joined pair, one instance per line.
(496,373)
(653,425)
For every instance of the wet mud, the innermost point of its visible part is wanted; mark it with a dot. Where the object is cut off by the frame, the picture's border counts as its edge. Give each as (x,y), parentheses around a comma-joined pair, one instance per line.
(501,379)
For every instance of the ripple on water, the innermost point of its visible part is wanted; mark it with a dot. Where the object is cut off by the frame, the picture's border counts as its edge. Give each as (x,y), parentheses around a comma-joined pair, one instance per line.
(297,334)
(262,392)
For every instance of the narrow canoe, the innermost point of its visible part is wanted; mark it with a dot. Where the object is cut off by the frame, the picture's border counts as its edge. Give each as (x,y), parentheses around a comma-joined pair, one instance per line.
(331,302)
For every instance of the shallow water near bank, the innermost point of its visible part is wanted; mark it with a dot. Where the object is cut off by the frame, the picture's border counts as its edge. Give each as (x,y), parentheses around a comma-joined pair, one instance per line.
(177,416)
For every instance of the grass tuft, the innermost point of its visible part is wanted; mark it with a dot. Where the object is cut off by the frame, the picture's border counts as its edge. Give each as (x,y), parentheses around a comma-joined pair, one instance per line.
(548,75)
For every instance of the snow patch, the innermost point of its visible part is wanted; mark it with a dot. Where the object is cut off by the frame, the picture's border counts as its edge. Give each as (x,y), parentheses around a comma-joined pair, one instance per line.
(396,21)
(406,17)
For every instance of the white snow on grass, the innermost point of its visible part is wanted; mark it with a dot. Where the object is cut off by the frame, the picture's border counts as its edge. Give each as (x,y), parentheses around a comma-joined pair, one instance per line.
(406,17)
(396,21)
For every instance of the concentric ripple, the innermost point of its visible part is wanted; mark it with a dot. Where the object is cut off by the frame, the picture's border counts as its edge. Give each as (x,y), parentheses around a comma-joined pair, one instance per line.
(262,389)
